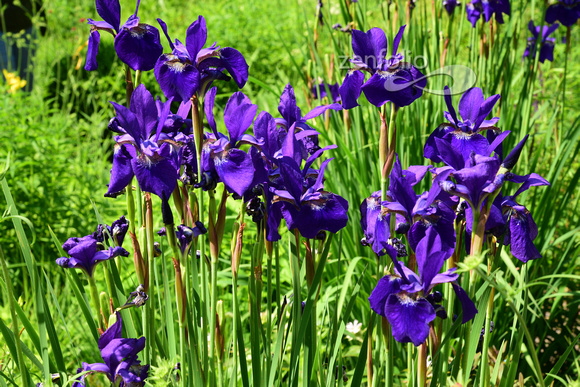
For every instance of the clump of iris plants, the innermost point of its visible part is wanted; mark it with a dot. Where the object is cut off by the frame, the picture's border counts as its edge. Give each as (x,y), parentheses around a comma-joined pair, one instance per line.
(195,167)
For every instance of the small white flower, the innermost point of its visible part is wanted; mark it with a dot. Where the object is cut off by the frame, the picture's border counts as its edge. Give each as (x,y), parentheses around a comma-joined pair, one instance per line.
(353,327)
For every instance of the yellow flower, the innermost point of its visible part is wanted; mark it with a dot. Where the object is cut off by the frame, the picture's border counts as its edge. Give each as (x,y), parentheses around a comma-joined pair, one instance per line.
(13,81)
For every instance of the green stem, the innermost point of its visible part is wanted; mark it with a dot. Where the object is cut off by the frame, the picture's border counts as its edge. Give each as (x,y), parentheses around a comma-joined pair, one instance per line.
(422,365)
(95,300)
(235,327)
(212,319)
(19,354)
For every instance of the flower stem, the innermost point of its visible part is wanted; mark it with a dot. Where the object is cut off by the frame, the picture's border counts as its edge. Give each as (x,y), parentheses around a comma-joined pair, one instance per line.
(95,299)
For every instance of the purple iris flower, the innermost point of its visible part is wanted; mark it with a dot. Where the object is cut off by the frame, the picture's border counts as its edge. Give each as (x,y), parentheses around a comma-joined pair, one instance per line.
(292,119)
(521,229)
(450,5)
(185,235)
(191,67)
(302,200)
(487,8)
(310,209)
(546,44)
(221,154)
(566,12)
(117,230)
(320,91)
(465,135)
(120,359)
(391,78)
(375,219)
(137,44)
(404,299)
(144,150)
(85,253)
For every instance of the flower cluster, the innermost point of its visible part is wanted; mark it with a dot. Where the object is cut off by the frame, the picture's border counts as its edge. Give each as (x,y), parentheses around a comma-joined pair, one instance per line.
(465,192)
(487,8)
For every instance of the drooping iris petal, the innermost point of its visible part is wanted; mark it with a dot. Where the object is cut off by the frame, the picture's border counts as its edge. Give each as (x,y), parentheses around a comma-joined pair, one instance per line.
(385,287)
(351,88)
(567,14)
(522,230)
(156,174)
(122,170)
(468,307)
(329,213)
(178,79)
(139,47)
(431,150)
(401,86)
(236,65)
(92,51)
(118,350)
(235,169)
(370,209)
(409,318)
(467,143)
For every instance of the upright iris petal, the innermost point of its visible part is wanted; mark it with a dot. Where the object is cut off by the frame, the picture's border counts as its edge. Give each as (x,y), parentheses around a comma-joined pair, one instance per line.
(191,67)
(464,135)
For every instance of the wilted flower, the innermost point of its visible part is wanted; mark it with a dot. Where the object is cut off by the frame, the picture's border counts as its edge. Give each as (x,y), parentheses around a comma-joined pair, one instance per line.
(566,12)
(488,8)
(117,230)
(186,234)
(137,44)
(546,44)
